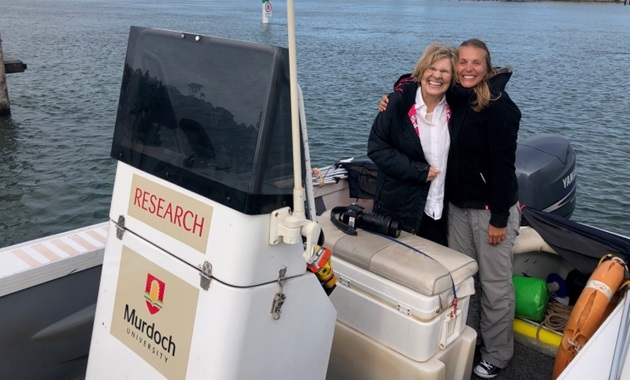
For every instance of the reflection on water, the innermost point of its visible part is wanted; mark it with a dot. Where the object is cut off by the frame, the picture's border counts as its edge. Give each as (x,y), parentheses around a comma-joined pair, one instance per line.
(570,72)
(11,166)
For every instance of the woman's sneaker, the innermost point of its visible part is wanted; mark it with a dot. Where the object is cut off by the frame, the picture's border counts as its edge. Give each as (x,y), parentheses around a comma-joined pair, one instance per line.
(486,370)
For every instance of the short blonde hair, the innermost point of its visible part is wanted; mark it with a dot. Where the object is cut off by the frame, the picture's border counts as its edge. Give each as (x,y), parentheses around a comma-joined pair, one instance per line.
(434,52)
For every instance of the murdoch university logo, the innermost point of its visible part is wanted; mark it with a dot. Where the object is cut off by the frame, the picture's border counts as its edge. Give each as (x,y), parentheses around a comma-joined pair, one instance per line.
(154,294)
(157,332)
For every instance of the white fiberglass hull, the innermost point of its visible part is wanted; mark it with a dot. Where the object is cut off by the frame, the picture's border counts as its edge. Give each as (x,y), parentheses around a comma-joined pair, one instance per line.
(46,276)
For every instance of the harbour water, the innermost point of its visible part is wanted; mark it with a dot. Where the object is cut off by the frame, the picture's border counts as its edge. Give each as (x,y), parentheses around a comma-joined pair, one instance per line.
(570,64)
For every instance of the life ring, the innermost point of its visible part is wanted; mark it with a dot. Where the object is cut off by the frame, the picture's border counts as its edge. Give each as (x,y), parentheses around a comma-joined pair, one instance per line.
(590,310)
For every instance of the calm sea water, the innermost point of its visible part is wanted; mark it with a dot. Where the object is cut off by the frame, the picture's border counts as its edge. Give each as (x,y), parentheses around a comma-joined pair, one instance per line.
(570,62)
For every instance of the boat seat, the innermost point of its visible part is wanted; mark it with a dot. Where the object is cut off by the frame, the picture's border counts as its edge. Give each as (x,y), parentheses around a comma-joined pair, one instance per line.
(529,240)
(431,273)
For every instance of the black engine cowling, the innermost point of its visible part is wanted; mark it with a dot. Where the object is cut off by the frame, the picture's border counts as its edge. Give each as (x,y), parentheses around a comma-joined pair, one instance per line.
(545,169)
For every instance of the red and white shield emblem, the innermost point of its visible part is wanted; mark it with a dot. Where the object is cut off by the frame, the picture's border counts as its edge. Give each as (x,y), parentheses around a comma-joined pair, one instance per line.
(154,294)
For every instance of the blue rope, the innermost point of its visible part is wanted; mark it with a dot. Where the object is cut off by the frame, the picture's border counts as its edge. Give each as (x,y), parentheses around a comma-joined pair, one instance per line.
(419,251)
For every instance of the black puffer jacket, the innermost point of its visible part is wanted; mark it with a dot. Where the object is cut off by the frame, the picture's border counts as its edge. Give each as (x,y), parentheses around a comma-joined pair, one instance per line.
(394,146)
(481,161)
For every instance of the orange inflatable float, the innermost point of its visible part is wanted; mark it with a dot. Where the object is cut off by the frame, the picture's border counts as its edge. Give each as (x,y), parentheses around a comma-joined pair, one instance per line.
(590,310)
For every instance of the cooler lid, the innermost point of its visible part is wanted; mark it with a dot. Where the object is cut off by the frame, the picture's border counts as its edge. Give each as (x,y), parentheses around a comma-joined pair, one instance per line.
(419,264)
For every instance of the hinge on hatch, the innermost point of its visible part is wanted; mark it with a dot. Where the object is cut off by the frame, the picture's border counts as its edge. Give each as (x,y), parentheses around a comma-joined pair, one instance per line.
(120,227)
(205,275)
(403,309)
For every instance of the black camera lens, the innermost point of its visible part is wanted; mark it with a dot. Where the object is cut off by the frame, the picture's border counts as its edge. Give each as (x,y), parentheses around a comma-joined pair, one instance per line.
(354,217)
(382,224)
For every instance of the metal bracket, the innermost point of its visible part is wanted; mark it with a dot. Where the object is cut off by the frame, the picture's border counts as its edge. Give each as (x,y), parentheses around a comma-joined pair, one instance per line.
(344,281)
(280,297)
(120,227)
(404,309)
(284,227)
(205,275)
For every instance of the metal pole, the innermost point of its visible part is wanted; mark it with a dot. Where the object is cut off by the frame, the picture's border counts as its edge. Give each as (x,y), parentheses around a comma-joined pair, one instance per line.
(298,190)
(310,196)
(5,106)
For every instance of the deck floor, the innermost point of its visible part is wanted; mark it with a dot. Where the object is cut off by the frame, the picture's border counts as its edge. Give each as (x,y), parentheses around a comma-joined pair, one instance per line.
(520,367)
(527,364)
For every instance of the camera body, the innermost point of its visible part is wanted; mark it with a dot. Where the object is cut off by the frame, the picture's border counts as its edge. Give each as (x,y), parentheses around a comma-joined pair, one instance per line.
(355,217)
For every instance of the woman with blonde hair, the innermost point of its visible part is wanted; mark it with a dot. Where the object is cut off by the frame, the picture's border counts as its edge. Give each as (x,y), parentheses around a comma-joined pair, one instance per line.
(409,143)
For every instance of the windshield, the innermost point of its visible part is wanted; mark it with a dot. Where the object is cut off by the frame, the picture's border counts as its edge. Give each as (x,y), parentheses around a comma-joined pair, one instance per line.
(208,114)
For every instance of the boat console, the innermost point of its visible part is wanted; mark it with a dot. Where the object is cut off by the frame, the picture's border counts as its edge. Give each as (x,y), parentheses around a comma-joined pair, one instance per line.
(192,287)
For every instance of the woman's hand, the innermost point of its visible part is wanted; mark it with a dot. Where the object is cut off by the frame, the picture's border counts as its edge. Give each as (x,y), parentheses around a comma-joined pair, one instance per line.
(382,105)
(433,172)
(496,234)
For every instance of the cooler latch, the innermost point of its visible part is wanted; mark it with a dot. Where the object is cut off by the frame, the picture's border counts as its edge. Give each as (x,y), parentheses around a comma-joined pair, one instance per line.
(451,326)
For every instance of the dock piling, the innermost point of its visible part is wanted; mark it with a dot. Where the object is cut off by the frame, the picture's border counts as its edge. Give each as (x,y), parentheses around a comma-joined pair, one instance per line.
(5,106)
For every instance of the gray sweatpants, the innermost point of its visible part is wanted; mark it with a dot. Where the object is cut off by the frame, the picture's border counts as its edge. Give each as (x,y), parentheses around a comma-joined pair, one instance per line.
(491,310)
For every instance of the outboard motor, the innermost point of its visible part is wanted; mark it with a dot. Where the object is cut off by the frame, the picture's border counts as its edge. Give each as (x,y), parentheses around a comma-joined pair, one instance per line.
(545,169)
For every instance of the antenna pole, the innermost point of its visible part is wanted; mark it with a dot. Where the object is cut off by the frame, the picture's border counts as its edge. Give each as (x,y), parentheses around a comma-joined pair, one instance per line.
(298,191)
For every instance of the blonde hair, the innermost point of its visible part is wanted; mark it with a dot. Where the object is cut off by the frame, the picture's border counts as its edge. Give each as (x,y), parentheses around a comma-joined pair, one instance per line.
(482,89)
(434,52)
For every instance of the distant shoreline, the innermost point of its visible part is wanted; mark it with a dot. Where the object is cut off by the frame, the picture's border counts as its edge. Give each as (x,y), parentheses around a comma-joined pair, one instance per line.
(624,2)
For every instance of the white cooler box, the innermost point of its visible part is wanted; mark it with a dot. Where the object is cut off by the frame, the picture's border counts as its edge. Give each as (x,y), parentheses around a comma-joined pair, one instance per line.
(397,296)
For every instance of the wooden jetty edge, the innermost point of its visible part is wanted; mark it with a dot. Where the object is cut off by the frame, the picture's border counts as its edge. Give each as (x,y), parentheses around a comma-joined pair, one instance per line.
(8,66)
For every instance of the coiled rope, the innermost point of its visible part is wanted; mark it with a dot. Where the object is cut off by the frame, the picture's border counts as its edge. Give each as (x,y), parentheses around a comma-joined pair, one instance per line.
(556,318)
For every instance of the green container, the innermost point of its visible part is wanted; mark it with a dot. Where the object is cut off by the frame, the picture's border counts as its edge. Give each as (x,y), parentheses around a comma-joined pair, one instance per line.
(531,297)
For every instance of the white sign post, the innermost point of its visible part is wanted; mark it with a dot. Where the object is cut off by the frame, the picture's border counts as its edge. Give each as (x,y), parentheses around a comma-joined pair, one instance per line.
(266,11)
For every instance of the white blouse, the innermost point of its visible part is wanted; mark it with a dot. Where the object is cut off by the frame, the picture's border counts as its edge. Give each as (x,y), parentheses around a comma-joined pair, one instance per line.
(435,140)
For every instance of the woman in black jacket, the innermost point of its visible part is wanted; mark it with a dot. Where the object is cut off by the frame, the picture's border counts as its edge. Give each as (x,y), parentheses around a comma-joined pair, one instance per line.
(409,143)
(482,190)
